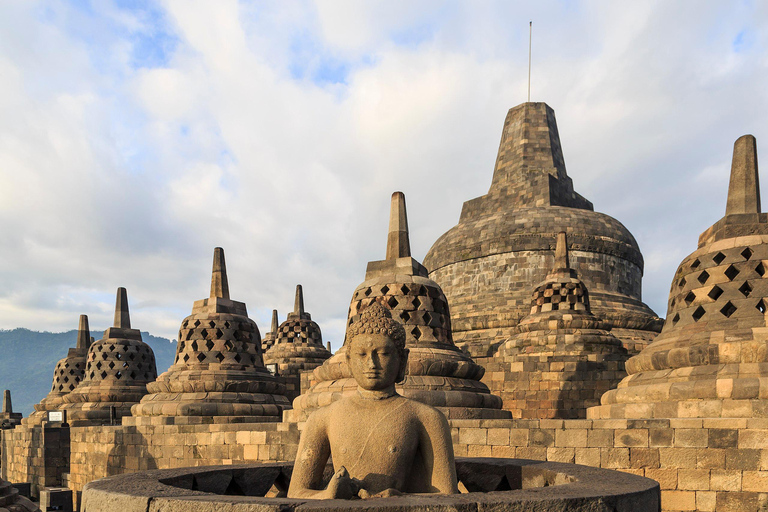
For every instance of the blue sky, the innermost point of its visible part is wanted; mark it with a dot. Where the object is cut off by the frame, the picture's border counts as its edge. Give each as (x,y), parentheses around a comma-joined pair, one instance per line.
(137,136)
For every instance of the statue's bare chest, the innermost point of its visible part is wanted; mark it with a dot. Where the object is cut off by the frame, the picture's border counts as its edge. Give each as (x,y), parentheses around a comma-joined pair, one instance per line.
(376,440)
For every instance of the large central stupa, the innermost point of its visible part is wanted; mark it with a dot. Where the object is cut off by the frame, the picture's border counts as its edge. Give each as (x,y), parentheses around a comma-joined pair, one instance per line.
(504,245)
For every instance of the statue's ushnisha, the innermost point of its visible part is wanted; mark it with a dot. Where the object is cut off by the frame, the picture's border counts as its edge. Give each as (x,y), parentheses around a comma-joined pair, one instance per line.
(381,443)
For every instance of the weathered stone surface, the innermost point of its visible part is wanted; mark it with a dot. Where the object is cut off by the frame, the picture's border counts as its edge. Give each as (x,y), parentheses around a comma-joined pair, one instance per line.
(502,246)
(119,366)
(269,338)
(439,374)
(711,358)
(8,418)
(298,346)
(382,443)
(561,359)
(218,371)
(12,502)
(67,375)
(519,485)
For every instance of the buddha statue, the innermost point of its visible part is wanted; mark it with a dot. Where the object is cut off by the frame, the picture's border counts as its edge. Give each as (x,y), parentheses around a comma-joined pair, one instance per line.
(381,443)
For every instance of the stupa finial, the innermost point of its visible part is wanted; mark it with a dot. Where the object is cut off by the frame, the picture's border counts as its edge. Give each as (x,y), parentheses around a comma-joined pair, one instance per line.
(398,243)
(273,330)
(83,334)
(7,406)
(561,252)
(122,316)
(219,283)
(744,187)
(298,304)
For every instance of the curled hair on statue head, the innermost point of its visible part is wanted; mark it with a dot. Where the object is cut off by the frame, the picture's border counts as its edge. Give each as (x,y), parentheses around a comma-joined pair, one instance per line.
(376,318)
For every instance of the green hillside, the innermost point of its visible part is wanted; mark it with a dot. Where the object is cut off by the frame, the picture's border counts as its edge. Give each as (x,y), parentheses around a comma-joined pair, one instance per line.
(29,357)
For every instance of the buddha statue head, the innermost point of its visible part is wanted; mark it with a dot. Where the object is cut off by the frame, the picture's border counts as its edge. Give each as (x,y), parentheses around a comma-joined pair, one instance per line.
(376,354)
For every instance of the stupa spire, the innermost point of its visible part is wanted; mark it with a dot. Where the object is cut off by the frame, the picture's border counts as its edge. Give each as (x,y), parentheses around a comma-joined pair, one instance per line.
(561,252)
(744,187)
(122,315)
(7,406)
(83,334)
(273,329)
(219,283)
(298,304)
(398,243)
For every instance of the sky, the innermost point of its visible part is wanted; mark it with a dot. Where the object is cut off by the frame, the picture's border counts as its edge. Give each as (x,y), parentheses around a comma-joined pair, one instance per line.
(136,136)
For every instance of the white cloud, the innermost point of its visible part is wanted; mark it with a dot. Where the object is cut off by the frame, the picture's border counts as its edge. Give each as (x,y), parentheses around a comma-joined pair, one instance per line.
(133,142)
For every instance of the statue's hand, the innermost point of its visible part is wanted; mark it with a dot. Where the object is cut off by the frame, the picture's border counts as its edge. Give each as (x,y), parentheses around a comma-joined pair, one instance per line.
(386,493)
(342,486)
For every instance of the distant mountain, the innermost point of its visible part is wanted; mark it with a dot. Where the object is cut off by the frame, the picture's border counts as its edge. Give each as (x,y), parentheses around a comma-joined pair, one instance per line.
(27,360)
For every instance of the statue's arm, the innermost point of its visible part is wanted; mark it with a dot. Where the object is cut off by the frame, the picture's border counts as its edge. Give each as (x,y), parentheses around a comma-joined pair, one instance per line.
(311,458)
(437,450)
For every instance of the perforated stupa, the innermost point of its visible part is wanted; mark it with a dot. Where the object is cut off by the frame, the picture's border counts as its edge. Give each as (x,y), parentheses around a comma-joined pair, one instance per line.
(67,375)
(118,368)
(298,346)
(269,338)
(218,372)
(711,358)
(438,373)
(561,360)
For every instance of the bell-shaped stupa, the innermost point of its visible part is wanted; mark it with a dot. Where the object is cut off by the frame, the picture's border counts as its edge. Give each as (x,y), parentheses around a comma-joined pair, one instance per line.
(118,368)
(561,360)
(438,374)
(298,347)
(711,358)
(66,376)
(269,338)
(501,247)
(11,501)
(218,372)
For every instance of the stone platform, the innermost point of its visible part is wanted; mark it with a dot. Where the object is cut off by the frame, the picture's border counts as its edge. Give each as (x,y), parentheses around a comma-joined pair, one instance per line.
(498,484)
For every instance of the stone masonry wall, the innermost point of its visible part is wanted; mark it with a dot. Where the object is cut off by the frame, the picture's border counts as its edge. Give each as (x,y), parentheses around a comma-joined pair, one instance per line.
(38,456)
(705,465)
(98,452)
(508,277)
(701,464)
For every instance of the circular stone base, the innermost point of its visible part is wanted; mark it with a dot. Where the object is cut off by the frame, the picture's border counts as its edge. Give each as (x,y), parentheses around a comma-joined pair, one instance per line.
(490,484)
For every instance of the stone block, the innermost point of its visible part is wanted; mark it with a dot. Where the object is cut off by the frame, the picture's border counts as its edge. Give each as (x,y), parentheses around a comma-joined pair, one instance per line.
(576,438)
(614,458)
(661,437)
(678,500)
(561,455)
(710,458)
(755,481)
(706,501)
(667,478)
(693,479)
(600,438)
(498,436)
(470,436)
(691,437)
(725,480)
(630,438)
(644,457)
(679,458)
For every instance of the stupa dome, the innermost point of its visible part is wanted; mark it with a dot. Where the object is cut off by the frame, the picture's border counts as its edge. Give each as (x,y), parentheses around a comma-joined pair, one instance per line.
(504,241)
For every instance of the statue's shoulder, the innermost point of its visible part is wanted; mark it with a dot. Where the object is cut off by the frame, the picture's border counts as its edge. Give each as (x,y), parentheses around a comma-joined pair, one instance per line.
(424,412)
